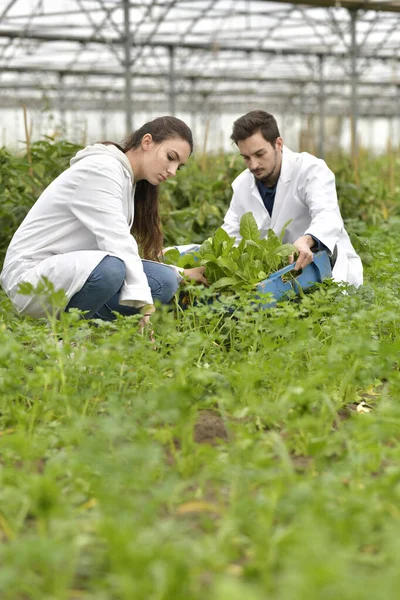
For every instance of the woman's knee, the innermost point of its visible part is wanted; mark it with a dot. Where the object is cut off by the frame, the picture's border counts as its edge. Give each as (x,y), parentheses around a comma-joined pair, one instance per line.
(111,271)
(163,281)
(170,285)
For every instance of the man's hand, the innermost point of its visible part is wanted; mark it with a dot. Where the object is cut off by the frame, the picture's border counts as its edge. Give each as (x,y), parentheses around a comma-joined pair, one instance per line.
(305,257)
(196,274)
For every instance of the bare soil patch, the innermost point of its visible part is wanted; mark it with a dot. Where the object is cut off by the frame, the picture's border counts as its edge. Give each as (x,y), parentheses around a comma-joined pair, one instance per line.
(209,428)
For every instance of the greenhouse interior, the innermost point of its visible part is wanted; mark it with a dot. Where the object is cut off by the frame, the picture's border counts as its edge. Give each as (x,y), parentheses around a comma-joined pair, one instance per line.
(329,70)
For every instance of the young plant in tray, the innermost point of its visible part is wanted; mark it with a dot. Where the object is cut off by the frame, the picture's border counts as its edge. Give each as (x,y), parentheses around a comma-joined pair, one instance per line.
(241,267)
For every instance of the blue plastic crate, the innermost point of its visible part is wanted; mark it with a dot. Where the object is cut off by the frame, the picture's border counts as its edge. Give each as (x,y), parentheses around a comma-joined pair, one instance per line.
(314,273)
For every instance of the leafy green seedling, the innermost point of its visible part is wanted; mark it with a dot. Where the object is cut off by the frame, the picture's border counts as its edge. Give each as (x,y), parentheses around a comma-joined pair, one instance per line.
(237,266)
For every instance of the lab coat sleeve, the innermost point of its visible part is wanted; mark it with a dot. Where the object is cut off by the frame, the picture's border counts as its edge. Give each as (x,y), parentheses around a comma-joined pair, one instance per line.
(231,222)
(97,204)
(319,193)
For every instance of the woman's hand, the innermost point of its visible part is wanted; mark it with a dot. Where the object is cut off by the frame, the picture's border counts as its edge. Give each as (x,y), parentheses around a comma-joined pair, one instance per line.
(144,322)
(196,274)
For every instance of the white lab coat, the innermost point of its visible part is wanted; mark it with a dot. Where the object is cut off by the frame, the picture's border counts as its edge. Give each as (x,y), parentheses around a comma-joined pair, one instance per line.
(82,216)
(306,195)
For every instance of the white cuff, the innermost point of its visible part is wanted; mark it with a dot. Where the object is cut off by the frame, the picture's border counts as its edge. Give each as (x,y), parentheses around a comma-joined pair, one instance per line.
(179,272)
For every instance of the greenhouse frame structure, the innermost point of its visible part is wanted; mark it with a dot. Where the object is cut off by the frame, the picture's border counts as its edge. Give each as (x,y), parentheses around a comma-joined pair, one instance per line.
(322,57)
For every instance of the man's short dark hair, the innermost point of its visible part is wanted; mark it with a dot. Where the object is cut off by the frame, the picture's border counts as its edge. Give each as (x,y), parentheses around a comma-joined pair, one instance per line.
(251,123)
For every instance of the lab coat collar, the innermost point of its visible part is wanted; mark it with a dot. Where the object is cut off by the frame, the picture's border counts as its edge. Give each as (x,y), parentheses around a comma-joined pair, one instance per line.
(254,188)
(288,158)
(102,149)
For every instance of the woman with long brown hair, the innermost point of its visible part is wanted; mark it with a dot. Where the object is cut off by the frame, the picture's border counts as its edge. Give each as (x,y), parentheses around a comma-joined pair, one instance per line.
(84,232)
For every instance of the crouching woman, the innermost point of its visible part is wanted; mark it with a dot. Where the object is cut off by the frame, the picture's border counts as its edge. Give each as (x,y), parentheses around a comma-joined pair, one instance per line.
(84,231)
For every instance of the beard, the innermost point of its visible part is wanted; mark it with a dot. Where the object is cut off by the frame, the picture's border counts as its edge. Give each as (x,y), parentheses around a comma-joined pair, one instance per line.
(265,179)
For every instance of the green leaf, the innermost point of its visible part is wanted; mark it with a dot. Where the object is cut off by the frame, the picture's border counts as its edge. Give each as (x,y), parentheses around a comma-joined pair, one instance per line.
(227,246)
(171,257)
(285,250)
(221,236)
(213,272)
(251,243)
(283,230)
(248,227)
(219,239)
(227,263)
(187,261)
(236,253)
(206,247)
(225,282)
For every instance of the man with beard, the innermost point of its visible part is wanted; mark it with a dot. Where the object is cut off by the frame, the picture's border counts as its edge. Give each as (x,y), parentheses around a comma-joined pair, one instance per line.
(280,186)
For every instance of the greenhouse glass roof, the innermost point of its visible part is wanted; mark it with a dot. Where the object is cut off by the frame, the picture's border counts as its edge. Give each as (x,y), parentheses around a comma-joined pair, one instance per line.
(335,56)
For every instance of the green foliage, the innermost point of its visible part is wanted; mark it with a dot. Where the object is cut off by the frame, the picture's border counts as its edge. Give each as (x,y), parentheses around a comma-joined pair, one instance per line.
(228,461)
(107,492)
(241,267)
(15,194)
(374,198)
(194,203)
(21,183)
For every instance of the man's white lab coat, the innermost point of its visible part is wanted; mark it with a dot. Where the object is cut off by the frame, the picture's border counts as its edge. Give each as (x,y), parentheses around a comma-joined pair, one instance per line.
(306,195)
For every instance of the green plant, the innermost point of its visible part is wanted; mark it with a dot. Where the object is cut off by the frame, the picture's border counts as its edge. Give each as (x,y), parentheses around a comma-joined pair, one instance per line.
(237,267)
(372,198)
(229,461)
(194,203)
(21,182)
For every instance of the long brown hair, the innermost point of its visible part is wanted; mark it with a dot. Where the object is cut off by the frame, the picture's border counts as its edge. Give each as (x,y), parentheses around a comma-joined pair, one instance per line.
(146,226)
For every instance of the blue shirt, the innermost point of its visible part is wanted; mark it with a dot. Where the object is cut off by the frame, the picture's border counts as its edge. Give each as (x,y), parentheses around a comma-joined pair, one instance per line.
(267,195)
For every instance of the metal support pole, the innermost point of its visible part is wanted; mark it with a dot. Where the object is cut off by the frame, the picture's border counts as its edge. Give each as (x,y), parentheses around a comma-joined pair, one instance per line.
(171,79)
(206,122)
(61,104)
(103,118)
(354,77)
(127,64)
(171,91)
(397,112)
(391,131)
(193,106)
(371,133)
(321,98)
(300,143)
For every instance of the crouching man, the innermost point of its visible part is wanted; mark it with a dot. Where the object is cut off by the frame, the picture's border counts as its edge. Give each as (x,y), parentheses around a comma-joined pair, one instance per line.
(280,185)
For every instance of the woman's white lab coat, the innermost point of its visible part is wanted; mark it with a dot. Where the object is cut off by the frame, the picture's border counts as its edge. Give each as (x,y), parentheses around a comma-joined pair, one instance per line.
(306,195)
(84,215)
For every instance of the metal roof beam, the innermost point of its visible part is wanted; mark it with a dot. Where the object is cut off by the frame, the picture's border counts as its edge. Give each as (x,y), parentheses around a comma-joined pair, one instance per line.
(211,93)
(231,92)
(6,9)
(376,6)
(383,110)
(60,38)
(190,77)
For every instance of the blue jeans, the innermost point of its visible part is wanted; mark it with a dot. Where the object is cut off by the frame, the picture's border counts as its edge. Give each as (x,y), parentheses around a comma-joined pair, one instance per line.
(99,297)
